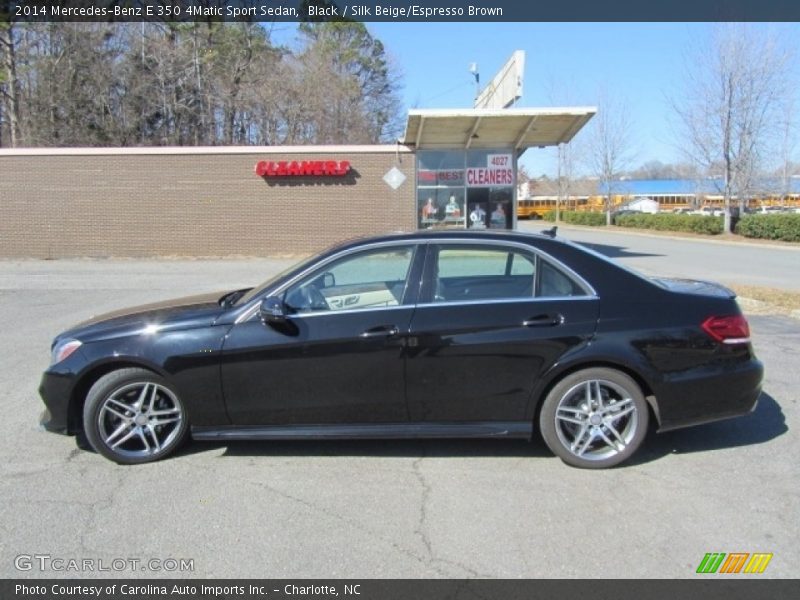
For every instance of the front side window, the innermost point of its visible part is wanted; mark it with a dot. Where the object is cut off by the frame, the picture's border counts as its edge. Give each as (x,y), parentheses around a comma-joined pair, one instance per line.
(474,273)
(370,279)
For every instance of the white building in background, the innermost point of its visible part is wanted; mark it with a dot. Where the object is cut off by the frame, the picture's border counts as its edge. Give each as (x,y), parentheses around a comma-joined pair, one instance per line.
(641,204)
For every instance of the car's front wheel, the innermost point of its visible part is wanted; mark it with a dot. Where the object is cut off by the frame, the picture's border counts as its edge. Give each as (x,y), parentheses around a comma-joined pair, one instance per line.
(133,416)
(594,418)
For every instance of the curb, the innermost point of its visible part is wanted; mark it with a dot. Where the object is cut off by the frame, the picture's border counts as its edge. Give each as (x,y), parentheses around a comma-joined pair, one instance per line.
(751,306)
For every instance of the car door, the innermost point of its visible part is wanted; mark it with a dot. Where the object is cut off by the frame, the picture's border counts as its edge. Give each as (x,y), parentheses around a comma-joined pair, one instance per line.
(491,317)
(339,357)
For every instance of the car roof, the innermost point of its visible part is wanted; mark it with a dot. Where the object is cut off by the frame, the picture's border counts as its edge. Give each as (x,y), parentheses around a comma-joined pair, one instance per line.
(617,278)
(607,278)
(444,234)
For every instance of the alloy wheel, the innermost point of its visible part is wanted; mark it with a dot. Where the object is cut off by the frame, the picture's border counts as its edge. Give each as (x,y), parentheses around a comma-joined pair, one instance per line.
(140,420)
(596,419)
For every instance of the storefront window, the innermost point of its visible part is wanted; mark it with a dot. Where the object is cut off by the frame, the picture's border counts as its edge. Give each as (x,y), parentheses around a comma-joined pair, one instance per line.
(440,189)
(472,189)
(490,181)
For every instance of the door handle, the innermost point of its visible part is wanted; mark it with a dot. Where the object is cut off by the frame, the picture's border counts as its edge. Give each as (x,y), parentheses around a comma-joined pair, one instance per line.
(545,320)
(382,331)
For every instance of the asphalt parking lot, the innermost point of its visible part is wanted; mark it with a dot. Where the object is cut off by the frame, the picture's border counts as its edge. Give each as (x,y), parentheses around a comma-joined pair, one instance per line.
(377,509)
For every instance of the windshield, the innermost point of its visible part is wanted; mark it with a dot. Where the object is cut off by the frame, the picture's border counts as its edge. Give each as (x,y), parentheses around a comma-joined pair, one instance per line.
(263,286)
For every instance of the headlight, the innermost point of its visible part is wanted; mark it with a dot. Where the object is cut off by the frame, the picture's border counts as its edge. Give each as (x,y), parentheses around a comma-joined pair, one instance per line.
(63,349)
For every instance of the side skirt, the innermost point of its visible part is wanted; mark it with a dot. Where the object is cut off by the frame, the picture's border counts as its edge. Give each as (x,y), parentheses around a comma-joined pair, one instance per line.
(487,429)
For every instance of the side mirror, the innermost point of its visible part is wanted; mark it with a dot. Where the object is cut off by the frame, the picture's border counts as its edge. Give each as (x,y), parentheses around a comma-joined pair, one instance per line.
(272,311)
(328,280)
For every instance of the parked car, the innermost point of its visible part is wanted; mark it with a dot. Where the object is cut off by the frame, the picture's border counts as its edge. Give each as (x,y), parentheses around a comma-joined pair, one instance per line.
(770,210)
(431,334)
(709,211)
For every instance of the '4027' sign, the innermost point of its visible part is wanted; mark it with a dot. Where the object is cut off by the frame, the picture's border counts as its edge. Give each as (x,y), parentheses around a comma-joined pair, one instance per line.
(498,172)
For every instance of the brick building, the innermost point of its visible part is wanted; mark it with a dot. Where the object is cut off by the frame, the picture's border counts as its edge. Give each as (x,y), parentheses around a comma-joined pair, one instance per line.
(451,169)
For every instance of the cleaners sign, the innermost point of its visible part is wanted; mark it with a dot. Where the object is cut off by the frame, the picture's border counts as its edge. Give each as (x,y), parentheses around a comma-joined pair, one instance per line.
(499,172)
(302,168)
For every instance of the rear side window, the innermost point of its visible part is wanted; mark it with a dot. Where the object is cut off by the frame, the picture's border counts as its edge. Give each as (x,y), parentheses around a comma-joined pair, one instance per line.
(464,273)
(554,283)
(472,273)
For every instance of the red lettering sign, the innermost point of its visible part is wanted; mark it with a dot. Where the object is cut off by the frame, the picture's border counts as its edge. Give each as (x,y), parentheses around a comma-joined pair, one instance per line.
(441,177)
(304,168)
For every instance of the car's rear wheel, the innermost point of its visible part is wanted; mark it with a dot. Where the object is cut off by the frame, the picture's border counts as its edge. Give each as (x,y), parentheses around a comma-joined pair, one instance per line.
(133,416)
(594,418)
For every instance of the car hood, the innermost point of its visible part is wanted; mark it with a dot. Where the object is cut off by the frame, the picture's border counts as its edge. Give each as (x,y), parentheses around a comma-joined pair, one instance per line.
(179,313)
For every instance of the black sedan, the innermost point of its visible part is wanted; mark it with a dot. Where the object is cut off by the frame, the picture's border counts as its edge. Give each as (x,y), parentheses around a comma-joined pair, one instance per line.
(434,334)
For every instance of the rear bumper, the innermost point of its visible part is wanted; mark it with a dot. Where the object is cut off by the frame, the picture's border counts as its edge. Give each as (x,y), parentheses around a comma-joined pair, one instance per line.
(711,393)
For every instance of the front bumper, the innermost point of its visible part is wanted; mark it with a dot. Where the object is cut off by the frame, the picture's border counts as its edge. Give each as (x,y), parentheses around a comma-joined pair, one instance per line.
(707,394)
(55,390)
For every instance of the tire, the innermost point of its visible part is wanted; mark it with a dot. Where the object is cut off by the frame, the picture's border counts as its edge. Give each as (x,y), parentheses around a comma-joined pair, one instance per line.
(601,435)
(133,416)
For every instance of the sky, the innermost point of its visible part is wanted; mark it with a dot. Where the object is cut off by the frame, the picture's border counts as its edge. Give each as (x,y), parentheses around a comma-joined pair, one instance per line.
(567,64)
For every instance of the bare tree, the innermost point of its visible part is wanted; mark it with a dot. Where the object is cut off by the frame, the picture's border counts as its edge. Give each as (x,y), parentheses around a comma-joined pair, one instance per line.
(9,87)
(788,141)
(569,155)
(164,83)
(349,84)
(736,83)
(610,149)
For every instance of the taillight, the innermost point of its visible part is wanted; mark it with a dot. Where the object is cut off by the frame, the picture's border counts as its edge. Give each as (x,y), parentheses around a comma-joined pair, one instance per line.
(728,330)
